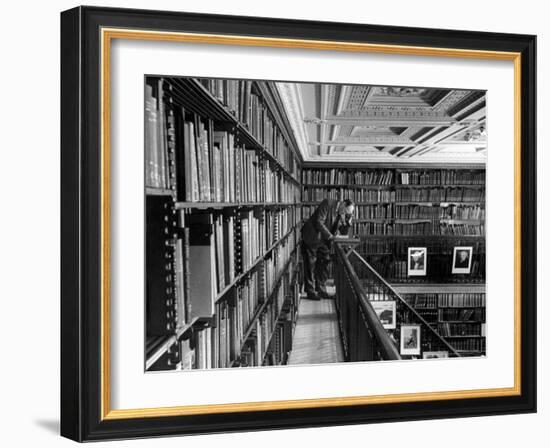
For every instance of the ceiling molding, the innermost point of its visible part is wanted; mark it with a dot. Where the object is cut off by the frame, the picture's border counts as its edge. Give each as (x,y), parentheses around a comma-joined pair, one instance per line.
(392,124)
(291,98)
(371,140)
(324,111)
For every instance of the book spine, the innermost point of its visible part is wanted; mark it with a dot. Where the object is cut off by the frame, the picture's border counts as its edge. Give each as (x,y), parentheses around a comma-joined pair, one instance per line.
(179,282)
(163,151)
(194,155)
(171,145)
(186,273)
(150,137)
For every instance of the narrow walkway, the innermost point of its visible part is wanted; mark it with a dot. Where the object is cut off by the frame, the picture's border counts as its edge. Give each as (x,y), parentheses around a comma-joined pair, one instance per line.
(317,336)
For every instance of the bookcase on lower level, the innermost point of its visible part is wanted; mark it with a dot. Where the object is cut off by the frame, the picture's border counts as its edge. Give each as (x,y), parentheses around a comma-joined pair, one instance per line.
(223,209)
(459,317)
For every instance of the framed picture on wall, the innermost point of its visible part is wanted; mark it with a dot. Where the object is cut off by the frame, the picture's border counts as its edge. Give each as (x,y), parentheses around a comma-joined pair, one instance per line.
(417,260)
(208,164)
(462,260)
(386,311)
(410,343)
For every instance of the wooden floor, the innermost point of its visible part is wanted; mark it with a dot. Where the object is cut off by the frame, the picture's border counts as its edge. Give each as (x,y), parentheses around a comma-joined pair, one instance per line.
(317,336)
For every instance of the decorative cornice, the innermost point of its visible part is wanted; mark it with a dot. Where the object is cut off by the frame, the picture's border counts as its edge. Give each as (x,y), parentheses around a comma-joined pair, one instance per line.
(389,118)
(343,102)
(372,140)
(450,100)
(427,158)
(291,96)
(354,125)
(400,91)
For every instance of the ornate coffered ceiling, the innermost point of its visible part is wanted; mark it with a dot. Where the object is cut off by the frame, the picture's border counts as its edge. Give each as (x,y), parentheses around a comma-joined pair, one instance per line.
(384,124)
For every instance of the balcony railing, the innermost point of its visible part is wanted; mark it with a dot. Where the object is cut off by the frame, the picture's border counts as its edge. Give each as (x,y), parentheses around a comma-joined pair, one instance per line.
(370,334)
(363,335)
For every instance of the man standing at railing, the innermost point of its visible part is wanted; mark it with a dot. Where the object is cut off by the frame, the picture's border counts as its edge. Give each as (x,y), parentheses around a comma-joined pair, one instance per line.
(331,219)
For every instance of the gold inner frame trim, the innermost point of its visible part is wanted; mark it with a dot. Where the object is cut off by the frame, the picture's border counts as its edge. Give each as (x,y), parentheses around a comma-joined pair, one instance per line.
(107,35)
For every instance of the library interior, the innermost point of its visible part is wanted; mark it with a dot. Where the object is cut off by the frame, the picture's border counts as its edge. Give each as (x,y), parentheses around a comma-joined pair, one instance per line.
(304,223)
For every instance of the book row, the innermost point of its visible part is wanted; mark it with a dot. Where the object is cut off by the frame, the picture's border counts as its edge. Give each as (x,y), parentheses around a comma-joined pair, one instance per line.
(341,176)
(465,314)
(411,211)
(461,300)
(428,315)
(243,100)
(372,246)
(158,172)
(318,194)
(444,177)
(245,325)
(234,323)
(230,93)
(216,169)
(267,321)
(185,152)
(435,195)
(258,287)
(278,222)
(454,329)
(196,351)
(458,212)
(469,344)
(438,194)
(281,344)
(357,195)
(390,211)
(207,256)
(418,229)
(445,300)
(382,176)
(451,314)
(381,211)
(251,240)
(239,241)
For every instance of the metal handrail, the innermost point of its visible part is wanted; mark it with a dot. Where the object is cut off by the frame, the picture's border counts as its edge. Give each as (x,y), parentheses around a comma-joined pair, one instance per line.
(388,350)
(403,301)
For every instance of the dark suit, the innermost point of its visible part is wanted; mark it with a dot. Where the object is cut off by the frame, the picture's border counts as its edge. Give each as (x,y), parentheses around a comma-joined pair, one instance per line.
(316,233)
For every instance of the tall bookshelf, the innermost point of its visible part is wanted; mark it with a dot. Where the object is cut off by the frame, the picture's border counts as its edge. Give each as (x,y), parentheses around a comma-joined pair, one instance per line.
(223,213)
(438,208)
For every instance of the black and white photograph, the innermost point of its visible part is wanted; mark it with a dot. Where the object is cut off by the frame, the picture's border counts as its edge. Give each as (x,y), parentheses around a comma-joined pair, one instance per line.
(410,340)
(386,311)
(417,260)
(462,257)
(274,223)
(273,207)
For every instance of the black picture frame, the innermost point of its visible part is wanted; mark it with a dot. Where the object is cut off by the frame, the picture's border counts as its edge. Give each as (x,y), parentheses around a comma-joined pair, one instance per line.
(82,408)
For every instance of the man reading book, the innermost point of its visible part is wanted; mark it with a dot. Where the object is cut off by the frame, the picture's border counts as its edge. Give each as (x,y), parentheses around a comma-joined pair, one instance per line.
(331,219)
